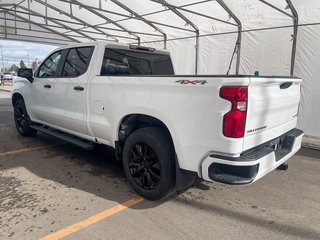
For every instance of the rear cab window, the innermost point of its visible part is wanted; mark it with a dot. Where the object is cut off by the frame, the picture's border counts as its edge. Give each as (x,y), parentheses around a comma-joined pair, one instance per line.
(130,62)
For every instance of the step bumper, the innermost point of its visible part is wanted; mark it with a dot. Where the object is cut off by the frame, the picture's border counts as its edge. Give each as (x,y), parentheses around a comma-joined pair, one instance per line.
(253,164)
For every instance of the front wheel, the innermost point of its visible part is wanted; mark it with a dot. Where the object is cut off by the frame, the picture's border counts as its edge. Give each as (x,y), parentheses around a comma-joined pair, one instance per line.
(22,120)
(148,162)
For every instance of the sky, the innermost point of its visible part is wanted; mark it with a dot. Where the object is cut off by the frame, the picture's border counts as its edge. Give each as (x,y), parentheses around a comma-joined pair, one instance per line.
(14,51)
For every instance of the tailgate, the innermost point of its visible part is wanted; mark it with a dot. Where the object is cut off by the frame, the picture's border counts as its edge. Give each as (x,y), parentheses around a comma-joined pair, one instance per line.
(272,109)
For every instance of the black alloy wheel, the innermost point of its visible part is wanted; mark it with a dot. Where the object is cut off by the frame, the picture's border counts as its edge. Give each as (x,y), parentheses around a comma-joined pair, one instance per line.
(144,166)
(149,162)
(22,120)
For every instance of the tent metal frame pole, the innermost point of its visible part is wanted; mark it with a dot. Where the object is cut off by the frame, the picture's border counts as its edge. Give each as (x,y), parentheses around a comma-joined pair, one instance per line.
(234,32)
(95,8)
(196,13)
(276,8)
(95,11)
(197,52)
(119,30)
(44,27)
(76,18)
(24,35)
(57,22)
(5,25)
(35,30)
(116,24)
(60,27)
(44,16)
(29,13)
(295,18)
(142,19)
(15,18)
(127,17)
(7,4)
(80,24)
(171,26)
(238,43)
(28,1)
(106,19)
(35,41)
(165,10)
(294,36)
(187,20)
(47,32)
(71,9)
(26,20)
(46,12)
(39,24)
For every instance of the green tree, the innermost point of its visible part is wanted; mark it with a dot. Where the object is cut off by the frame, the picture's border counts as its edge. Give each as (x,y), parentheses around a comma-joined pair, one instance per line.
(13,68)
(22,65)
(34,65)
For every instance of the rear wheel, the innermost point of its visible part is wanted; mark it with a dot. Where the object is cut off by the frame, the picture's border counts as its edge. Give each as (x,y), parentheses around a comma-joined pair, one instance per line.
(22,120)
(148,162)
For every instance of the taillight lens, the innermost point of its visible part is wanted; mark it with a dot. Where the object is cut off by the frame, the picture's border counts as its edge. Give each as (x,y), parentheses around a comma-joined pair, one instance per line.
(234,122)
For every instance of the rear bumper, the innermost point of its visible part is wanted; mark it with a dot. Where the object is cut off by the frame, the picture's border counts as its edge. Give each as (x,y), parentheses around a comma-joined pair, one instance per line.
(254,163)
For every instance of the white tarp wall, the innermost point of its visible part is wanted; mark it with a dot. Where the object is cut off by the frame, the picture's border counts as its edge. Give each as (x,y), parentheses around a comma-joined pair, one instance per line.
(265,47)
(267,51)
(308,68)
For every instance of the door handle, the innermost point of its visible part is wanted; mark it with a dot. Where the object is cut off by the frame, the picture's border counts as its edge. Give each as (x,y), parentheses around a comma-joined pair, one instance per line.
(78,88)
(47,86)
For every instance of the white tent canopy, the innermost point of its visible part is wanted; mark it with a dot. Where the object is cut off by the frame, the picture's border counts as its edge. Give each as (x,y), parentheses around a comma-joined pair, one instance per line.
(274,37)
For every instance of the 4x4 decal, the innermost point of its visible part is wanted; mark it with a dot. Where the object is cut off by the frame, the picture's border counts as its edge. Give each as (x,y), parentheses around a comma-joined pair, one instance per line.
(192,82)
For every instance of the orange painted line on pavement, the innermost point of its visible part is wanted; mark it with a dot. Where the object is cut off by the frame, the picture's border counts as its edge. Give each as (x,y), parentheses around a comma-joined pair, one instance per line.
(27,149)
(92,220)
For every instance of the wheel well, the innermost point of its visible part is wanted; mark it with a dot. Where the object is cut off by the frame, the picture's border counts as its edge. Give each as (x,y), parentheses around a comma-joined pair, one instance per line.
(133,122)
(15,97)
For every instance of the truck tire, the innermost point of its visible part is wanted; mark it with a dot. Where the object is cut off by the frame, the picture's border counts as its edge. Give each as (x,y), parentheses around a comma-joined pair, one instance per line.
(22,120)
(149,163)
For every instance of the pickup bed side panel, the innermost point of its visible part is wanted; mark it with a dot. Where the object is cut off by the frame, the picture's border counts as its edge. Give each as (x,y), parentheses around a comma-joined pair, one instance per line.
(193,113)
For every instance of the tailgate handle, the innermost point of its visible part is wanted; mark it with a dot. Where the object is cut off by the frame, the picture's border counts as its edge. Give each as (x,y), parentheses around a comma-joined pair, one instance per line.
(285,85)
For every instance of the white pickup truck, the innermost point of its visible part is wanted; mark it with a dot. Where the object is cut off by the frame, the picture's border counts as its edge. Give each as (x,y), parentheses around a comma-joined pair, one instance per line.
(167,129)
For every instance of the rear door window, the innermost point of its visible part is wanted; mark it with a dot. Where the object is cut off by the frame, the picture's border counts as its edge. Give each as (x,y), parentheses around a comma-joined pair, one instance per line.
(129,62)
(77,61)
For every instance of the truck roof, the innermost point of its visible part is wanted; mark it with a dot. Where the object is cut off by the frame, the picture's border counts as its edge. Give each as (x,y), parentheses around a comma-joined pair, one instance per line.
(116,45)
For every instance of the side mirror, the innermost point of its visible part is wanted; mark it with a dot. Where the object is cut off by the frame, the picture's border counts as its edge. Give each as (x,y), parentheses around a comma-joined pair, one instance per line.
(26,73)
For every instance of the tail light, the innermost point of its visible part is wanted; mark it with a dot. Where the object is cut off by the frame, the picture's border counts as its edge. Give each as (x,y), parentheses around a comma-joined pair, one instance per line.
(234,122)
